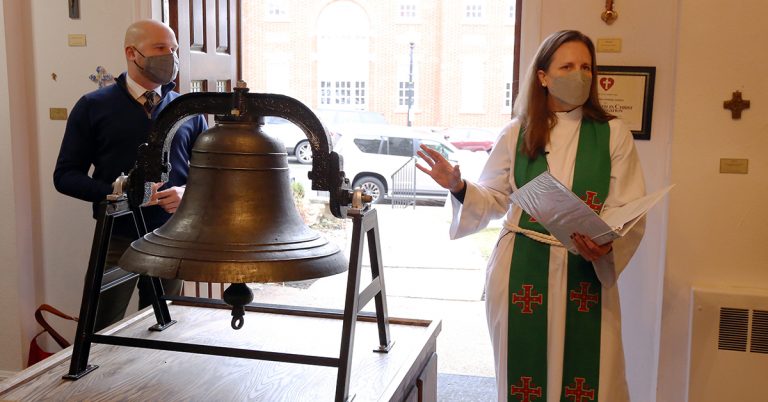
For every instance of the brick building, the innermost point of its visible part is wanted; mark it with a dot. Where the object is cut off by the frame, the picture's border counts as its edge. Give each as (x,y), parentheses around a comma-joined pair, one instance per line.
(356,54)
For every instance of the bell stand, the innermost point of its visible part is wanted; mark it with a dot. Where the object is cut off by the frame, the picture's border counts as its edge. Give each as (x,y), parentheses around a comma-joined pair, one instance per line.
(109,210)
(364,224)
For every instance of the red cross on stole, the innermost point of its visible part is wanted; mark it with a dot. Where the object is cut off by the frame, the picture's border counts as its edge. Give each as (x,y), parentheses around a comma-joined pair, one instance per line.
(526,389)
(591,200)
(578,391)
(583,297)
(527,298)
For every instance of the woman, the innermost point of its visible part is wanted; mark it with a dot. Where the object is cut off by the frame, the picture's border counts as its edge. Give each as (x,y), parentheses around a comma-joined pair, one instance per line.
(554,317)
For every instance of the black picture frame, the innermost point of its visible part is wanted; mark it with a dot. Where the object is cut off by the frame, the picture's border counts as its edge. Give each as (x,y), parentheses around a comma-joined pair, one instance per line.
(627,92)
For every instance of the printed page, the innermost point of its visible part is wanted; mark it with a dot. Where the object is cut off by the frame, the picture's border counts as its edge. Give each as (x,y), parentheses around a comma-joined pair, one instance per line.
(620,218)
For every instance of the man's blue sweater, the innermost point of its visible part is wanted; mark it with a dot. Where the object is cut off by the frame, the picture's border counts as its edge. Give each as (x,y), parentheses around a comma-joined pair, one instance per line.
(104,130)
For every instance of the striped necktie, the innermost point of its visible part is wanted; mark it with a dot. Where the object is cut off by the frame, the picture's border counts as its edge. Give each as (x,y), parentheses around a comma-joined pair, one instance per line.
(150,101)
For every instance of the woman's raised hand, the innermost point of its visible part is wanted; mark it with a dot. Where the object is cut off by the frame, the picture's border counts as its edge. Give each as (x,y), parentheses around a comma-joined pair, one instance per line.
(441,171)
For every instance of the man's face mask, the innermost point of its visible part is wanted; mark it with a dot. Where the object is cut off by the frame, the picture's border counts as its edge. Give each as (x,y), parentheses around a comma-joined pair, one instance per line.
(572,88)
(160,69)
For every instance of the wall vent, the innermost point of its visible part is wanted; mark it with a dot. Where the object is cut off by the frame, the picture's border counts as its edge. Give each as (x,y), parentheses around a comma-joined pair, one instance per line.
(759,340)
(729,344)
(734,324)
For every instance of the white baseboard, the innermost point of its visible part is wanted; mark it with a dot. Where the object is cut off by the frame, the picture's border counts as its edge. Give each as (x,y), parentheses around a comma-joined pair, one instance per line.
(6,374)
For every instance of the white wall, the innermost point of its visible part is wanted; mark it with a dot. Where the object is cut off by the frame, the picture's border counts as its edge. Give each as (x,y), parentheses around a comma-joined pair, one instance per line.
(717,221)
(66,224)
(45,236)
(17,293)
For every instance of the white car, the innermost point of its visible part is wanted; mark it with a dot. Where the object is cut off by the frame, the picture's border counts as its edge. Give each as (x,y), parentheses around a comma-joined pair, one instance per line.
(296,142)
(373,153)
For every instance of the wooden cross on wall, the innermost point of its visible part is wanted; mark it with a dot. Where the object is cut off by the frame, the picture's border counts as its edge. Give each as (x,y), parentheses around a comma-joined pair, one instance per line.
(736,105)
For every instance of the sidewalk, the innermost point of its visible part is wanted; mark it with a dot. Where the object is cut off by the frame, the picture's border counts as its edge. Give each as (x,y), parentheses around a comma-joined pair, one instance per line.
(427,276)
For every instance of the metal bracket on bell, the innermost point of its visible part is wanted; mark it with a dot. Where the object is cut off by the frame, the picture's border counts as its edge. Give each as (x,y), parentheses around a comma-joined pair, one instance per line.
(118,188)
(360,200)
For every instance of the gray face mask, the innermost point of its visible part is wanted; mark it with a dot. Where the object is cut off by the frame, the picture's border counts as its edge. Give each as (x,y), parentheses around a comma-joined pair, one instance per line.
(160,69)
(572,88)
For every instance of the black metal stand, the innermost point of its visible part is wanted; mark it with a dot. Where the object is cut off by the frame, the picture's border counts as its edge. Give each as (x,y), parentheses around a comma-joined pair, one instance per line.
(93,286)
(365,224)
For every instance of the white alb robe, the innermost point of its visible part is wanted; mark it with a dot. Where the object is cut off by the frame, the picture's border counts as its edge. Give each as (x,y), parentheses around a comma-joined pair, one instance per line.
(488,199)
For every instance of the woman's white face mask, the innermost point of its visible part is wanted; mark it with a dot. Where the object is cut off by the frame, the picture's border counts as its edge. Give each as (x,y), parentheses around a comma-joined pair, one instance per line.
(572,88)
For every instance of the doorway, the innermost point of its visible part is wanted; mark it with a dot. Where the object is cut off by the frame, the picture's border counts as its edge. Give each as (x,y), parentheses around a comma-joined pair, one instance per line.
(457,60)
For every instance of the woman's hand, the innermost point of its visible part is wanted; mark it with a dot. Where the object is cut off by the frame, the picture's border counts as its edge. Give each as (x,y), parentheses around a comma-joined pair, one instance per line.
(441,171)
(588,248)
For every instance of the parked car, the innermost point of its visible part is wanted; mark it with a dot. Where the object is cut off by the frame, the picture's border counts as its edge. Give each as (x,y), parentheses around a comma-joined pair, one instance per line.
(470,138)
(373,153)
(296,142)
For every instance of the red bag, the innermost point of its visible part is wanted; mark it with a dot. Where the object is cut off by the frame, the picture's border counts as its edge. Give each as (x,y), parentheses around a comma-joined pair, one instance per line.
(37,353)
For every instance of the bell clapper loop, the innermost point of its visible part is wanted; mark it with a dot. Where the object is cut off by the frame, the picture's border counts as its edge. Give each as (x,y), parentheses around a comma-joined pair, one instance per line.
(238,295)
(237,322)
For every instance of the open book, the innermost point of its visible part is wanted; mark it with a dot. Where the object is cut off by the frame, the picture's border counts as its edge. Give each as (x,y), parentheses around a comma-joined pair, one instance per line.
(563,213)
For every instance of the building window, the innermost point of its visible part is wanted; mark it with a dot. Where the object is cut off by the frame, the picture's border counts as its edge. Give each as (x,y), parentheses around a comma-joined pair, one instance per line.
(343,56)
(343,93)
(404,94)
(275,11)
(198,86)
(223,85)
(508,96)
(407,11)
(325,92)
(511,11)
(473,11)
(407,84)
(507,101)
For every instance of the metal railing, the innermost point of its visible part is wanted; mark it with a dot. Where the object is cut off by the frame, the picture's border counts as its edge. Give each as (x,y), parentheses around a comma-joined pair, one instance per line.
(404,185)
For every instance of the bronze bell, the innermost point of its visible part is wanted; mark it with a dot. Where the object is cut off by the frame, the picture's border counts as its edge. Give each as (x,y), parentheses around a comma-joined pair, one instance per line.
(237,222)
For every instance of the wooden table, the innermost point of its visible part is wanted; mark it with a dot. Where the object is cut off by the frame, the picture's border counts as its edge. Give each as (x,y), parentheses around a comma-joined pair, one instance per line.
(407,373)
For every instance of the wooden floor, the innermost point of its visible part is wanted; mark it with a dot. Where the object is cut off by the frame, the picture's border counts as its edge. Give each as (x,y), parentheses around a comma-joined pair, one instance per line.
(127,373)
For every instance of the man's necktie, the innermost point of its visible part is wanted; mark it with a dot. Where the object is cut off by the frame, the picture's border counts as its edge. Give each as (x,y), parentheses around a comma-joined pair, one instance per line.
(150,101)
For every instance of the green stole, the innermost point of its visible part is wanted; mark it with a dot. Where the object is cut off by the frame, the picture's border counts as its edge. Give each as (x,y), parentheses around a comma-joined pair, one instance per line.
(529,278)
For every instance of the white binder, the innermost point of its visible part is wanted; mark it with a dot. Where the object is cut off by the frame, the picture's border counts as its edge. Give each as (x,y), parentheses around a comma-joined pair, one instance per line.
(563,213)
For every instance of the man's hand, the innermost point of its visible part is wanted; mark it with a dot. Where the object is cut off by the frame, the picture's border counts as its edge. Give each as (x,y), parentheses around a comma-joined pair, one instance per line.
(441,171)
(168,199)
(588,248)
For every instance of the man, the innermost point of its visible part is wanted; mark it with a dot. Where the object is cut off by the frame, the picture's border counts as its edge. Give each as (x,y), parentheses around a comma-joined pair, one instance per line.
(105,129)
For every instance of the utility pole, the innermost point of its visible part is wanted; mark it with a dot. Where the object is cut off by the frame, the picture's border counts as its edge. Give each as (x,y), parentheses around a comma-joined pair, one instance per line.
(410,87)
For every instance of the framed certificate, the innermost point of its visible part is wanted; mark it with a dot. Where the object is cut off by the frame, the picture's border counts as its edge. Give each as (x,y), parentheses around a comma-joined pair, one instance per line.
(627,92)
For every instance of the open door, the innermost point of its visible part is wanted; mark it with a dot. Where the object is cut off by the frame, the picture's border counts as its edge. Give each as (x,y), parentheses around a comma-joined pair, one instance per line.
(209,46)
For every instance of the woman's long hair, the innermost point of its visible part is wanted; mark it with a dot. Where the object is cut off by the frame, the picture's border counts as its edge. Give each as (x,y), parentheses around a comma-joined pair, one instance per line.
(531,105)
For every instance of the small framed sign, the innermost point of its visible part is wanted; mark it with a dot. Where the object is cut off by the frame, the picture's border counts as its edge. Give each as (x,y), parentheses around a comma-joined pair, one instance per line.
(627,92)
